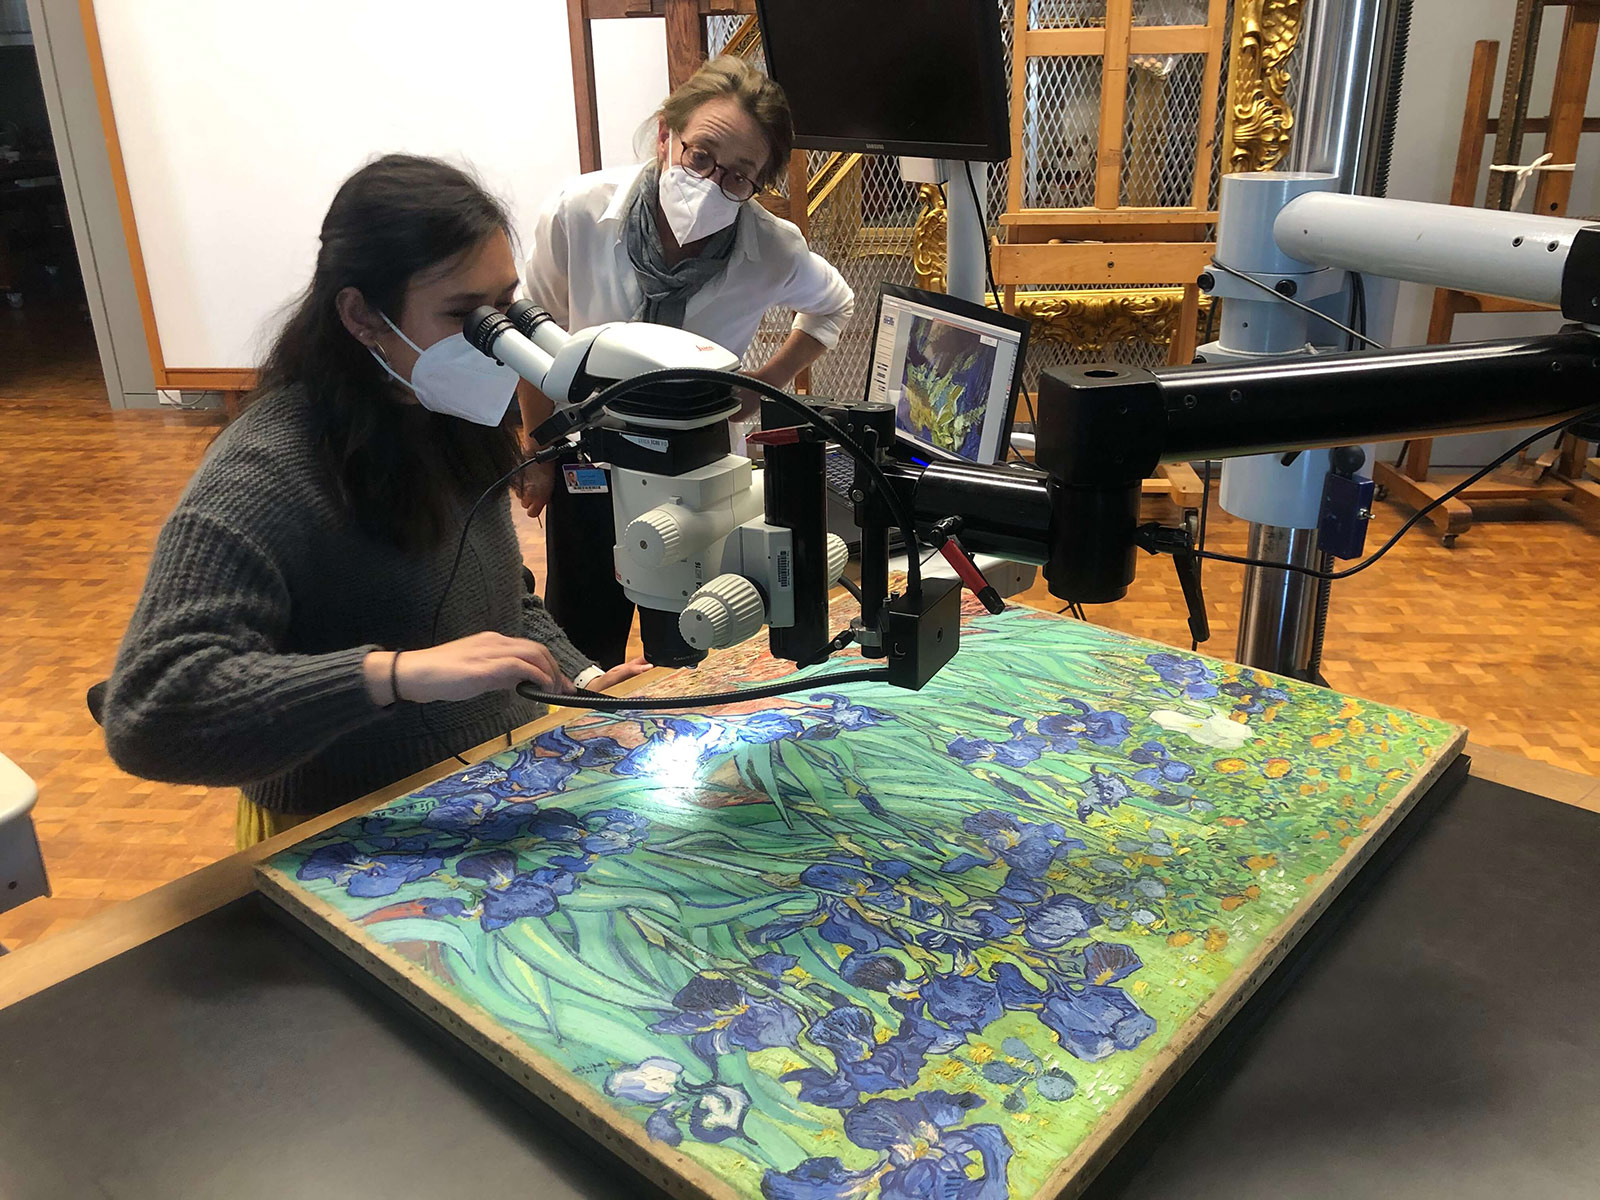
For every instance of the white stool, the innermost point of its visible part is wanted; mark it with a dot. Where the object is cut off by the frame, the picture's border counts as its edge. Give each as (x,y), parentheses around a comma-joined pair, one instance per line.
(22,876)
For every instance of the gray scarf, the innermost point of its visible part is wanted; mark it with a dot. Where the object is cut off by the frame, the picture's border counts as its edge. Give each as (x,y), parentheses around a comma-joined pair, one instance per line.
(667,290)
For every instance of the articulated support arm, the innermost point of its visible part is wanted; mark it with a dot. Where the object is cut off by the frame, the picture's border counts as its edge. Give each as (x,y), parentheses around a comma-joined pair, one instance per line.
(1104,429)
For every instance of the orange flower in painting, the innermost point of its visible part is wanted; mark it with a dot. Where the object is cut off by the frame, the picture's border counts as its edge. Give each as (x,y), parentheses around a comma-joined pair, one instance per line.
(1180,938)
(1261,862)
(1216,939)
(1229,903)
(1323,740)
(1231,766)
(1276,768)
(1235,822)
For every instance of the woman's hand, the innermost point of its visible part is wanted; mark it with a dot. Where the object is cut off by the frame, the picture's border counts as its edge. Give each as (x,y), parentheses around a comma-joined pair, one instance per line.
(462,669)
(534,486)
(620,674)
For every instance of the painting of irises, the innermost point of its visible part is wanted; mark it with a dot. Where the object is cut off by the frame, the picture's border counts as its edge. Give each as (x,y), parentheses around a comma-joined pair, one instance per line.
(869,944)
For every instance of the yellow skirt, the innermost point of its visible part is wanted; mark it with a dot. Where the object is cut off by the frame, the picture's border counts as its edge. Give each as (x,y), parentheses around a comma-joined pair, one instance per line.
(256,824)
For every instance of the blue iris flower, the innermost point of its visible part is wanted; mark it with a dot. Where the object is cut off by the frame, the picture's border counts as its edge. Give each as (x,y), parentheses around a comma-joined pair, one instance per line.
(1058,920)
(1191,675)
(719,1015)
(843,715)
(480,777)
(960,1003)
(1091,1021)
(875,972)
(970,750)
(862,1064)
(772,966)
(1025,847)
(854,876)
(1102,793)
(1065,730)
(845,927)
(1165,768)
(1107,962)
(512,894)
(1253,698)
(589,752)
(367,874)
(716,1111)
(1021,751)
(612,831)
(846,1031)
(924,1153)
(481,816)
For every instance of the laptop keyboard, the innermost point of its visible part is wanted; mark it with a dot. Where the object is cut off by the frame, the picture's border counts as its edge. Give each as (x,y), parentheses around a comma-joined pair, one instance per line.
(839,470)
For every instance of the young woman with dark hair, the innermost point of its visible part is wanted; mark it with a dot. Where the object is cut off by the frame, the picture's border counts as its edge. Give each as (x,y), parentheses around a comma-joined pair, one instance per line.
(285,641)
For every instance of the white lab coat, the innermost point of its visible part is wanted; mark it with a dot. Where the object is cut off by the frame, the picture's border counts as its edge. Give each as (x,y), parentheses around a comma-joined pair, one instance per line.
(578,269)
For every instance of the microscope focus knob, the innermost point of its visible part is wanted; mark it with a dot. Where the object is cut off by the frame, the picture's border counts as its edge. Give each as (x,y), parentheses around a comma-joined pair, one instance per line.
(838,558)
(724,612)
(654,538)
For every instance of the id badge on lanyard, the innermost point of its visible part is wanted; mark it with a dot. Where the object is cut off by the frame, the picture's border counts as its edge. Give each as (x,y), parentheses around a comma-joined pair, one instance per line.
(586,479)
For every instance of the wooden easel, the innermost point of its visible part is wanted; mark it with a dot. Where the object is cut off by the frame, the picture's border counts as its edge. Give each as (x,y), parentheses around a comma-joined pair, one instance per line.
(1408,481)
(1109,243)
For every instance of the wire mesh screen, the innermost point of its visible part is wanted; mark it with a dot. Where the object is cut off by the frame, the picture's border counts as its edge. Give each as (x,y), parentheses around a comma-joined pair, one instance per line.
(864,229)
(1064,14)
(1059,132)
(1169,12)
(720,31)
(1161,130)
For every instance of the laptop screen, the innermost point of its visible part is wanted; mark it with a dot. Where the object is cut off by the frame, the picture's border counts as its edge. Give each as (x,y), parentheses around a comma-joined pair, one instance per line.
(950,368)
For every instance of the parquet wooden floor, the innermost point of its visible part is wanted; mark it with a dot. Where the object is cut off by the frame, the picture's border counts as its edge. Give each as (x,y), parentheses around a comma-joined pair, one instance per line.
(1501,633)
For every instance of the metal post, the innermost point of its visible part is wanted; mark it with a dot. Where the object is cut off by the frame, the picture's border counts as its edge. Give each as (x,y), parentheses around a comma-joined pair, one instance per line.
(1279,616)
(1352,77)
(967,229)
(1351,82)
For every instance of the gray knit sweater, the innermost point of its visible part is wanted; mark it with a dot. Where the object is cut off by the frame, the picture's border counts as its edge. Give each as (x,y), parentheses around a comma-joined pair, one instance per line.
(243,662)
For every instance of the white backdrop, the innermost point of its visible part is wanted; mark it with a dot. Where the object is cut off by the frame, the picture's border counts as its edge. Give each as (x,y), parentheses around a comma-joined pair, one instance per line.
(238,122)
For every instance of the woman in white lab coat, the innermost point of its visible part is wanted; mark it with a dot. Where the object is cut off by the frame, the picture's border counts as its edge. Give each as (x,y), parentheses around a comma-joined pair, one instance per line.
(676,241)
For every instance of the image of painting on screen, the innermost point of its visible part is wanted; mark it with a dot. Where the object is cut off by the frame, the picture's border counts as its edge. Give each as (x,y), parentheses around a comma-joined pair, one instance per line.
(945,390)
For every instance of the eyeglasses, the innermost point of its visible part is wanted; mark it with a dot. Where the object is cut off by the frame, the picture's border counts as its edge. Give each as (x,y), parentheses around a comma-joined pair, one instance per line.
(698,161)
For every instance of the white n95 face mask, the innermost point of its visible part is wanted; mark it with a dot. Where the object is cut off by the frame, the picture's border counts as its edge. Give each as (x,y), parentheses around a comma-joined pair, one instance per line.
(695,208)
(456,379)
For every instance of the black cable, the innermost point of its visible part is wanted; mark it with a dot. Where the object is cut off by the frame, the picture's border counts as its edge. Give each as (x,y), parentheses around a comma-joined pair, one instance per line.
(1276,294)
(1422,512)
(1200,542)
(851,586)
(605,703)
(988,261)
(1358,308)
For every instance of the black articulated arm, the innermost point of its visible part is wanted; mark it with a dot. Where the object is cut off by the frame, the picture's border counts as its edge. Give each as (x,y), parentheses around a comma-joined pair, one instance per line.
(1102,430)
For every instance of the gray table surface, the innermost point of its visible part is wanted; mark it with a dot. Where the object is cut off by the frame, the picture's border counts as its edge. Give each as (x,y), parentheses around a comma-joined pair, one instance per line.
(1442,1039)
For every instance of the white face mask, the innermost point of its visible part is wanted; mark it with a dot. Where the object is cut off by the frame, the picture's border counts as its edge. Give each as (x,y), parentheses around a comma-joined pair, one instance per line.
(695,208)
(455,378)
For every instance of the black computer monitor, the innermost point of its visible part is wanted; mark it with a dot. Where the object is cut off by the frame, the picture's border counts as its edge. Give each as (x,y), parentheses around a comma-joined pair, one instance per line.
(917,77)
(950,368)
